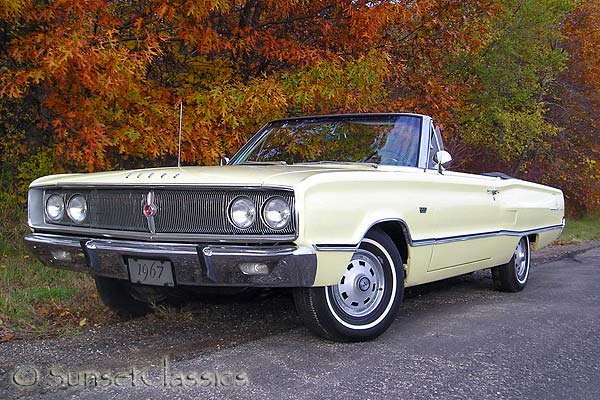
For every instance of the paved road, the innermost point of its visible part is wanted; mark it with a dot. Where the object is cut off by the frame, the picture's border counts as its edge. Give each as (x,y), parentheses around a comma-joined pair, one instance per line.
(458,340)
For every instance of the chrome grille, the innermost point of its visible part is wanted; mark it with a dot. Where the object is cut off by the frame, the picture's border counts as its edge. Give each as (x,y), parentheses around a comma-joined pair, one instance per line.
(117,209)
(186,211)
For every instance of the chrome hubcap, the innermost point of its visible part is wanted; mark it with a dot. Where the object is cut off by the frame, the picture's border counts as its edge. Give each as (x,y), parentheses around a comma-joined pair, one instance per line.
(361,288)
(521,260)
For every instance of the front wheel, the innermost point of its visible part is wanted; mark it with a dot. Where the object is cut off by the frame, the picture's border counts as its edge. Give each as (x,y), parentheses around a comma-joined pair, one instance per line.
(122,298)
(513,276)
(365,301)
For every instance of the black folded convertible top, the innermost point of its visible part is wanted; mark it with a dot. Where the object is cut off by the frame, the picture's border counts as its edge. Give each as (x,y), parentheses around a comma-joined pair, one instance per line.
(497,175)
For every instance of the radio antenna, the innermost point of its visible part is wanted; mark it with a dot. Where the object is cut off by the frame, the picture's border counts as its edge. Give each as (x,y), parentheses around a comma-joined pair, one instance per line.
(179,141)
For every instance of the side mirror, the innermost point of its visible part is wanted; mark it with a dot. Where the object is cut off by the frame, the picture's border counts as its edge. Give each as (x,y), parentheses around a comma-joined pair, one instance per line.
(224,161)
(443,159)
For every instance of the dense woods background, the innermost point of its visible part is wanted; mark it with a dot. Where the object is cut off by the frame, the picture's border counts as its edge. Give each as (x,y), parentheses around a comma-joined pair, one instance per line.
(90,85)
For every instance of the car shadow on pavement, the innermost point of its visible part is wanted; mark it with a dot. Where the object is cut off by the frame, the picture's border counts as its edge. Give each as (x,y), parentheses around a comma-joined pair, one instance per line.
(195,328)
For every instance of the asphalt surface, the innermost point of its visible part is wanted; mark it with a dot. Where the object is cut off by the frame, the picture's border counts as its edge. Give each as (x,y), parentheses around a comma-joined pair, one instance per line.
(455,339)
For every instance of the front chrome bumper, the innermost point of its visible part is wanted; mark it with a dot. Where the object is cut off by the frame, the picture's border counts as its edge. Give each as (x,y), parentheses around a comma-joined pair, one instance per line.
(193,264)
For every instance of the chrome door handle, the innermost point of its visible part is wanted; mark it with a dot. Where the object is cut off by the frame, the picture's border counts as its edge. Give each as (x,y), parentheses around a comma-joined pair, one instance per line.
(493,191)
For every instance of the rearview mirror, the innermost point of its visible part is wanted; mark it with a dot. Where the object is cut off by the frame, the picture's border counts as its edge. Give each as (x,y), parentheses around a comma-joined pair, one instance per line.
(443,159)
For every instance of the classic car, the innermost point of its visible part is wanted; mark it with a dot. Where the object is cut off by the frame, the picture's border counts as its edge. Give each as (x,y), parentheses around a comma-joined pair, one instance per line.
(345,210)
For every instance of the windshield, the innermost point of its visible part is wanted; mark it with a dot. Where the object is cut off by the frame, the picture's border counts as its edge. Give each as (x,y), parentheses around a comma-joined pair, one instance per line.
(379,139)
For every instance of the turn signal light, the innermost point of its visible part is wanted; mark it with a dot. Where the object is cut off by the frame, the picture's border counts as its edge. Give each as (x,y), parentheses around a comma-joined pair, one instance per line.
(254,268)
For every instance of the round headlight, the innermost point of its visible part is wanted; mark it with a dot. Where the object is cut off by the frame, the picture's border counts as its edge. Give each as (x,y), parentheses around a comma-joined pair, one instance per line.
(77,208)
(242,212)
(277,213)
(55,207)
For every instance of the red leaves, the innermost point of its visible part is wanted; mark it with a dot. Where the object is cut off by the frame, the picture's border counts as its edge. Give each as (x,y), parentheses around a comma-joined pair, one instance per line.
(112,73)
(573,160)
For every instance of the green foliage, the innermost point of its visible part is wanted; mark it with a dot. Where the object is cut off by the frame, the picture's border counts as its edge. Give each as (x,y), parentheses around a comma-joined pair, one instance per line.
(515,71)
(351,85)
(514,135)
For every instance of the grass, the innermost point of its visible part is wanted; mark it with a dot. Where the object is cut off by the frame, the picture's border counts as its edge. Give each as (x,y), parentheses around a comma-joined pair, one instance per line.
(581,230)
(37,301)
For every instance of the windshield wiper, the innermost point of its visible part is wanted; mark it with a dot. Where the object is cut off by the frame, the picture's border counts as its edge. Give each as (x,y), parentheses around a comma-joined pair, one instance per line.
(275,162)
(367,158)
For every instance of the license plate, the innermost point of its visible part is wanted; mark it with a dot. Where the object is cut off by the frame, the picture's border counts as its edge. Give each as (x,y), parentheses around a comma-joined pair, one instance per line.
(150,272)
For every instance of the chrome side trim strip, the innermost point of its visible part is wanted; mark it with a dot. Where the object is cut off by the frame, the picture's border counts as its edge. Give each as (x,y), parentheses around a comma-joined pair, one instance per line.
(449,239)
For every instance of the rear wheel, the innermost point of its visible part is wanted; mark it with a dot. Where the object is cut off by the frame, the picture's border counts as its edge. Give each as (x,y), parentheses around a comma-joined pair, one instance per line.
(513,276)
(365,301)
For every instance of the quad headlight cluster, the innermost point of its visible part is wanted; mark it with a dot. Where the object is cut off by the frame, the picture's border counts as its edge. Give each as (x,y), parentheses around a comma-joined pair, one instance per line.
(75,207)
(254,213)
(276,212)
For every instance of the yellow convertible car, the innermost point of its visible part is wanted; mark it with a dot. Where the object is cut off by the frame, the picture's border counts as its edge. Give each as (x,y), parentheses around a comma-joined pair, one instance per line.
(345,210)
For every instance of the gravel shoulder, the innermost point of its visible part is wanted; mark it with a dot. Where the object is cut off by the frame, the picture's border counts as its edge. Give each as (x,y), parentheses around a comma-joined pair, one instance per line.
(555,253)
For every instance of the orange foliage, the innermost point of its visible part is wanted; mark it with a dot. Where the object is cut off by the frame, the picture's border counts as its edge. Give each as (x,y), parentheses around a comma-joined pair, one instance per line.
(108,75)
(574,162)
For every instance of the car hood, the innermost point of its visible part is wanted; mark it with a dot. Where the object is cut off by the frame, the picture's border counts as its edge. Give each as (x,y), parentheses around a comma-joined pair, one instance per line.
(235,175)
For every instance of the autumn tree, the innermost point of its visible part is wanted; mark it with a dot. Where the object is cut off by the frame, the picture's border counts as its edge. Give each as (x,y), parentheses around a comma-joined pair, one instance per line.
(505,118)
(106,76)
(573,161)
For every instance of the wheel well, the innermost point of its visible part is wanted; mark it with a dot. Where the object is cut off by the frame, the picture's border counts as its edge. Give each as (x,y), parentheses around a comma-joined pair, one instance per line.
(396,231)
(532,240)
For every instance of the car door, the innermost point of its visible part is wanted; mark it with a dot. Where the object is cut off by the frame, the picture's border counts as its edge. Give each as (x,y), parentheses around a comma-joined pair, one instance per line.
(466,213)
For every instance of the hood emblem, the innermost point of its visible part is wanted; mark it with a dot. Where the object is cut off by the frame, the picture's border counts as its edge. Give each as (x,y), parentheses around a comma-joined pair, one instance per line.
(149,210)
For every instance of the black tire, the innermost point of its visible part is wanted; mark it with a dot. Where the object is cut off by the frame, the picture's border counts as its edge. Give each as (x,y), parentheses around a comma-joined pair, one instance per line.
(513,276)
(117,295)
(375,274)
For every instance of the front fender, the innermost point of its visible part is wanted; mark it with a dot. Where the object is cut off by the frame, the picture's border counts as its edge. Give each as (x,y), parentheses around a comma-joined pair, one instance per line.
(335,216)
